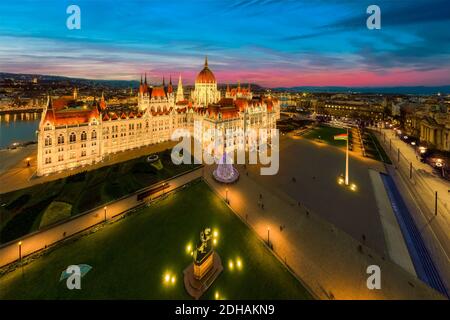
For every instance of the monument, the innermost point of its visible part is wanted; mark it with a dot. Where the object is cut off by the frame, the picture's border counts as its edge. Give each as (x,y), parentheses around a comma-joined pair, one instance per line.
(205,268)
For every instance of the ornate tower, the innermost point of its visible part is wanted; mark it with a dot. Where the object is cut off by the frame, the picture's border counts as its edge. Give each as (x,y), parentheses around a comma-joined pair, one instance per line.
(205,91)
(180,93)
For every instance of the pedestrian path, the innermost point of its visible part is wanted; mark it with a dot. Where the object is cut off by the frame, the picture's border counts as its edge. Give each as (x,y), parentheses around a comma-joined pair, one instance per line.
(357,143)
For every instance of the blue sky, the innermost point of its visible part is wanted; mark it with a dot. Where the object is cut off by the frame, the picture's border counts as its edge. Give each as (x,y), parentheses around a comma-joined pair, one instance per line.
(274,43)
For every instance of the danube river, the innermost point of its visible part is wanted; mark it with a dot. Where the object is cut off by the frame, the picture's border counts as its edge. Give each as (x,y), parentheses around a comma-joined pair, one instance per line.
(19,127)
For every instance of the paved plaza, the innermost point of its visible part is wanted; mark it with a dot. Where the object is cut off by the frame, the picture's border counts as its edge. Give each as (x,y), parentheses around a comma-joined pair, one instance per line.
(316,168)
(330,258)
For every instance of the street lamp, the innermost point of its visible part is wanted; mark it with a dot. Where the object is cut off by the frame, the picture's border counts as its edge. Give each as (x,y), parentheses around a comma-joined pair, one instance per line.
(105,212)
(20,250)
(268,236)
(28,161)
(441,164)
(226,195)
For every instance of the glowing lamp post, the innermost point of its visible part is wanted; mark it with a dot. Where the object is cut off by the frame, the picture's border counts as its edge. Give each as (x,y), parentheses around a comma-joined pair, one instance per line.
(268,236)
(104,210)
(344,136)
(441,164)
(28,161)
(20,250)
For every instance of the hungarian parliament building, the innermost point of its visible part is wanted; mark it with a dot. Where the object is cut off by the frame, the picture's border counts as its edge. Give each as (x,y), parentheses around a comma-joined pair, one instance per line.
(74,133)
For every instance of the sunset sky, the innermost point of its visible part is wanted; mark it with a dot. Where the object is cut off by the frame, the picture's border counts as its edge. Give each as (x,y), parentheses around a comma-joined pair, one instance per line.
(272,43)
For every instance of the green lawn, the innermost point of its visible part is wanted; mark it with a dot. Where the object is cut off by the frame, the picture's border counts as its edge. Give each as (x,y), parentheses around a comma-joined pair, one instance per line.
(326,135)
(25,208)
(129,257)
(55,212)
(378,149)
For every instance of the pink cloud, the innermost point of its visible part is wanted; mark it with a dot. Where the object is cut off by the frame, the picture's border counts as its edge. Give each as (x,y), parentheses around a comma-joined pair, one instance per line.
(288,78)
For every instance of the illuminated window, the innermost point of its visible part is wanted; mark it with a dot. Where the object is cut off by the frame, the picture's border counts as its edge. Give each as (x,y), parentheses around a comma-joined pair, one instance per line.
(72,137)
(48,141)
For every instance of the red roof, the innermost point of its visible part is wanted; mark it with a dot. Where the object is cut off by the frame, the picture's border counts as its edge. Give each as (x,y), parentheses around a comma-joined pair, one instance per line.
(158,92)
(182,103)
(61,102)
(205,76)
(68,117)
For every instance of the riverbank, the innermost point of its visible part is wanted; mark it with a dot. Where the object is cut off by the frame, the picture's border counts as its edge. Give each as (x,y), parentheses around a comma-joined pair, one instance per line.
(12,157)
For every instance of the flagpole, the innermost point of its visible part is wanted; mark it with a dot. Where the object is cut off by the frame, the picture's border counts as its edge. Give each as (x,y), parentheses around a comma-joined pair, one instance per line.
(346,162)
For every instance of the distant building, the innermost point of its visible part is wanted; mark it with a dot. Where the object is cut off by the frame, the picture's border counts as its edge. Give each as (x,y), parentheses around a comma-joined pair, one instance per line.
(351,109)
(430,123)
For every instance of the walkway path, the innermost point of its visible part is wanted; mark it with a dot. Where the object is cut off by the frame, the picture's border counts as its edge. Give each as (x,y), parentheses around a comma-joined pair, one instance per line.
(45,237)
(357,143)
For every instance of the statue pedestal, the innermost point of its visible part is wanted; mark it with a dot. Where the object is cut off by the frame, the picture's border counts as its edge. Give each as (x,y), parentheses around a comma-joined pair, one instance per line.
(202,267)
(198,277)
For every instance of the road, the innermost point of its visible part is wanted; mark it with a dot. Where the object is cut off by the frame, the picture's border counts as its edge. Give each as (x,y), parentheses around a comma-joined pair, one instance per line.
(418,192)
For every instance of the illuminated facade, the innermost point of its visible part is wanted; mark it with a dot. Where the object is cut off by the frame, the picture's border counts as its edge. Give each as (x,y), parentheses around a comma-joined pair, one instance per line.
(74,133)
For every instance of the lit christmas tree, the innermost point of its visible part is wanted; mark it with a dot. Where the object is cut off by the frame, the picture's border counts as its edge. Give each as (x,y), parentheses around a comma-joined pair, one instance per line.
(225,172)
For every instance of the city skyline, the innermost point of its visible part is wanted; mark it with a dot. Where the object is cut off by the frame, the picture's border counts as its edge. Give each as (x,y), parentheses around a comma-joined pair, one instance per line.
(271,43)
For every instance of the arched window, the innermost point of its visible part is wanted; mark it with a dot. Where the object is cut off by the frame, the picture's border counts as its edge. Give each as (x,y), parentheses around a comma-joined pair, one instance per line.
(83,136)
(73,137)
(94,135)
(60,139)
(48,141)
